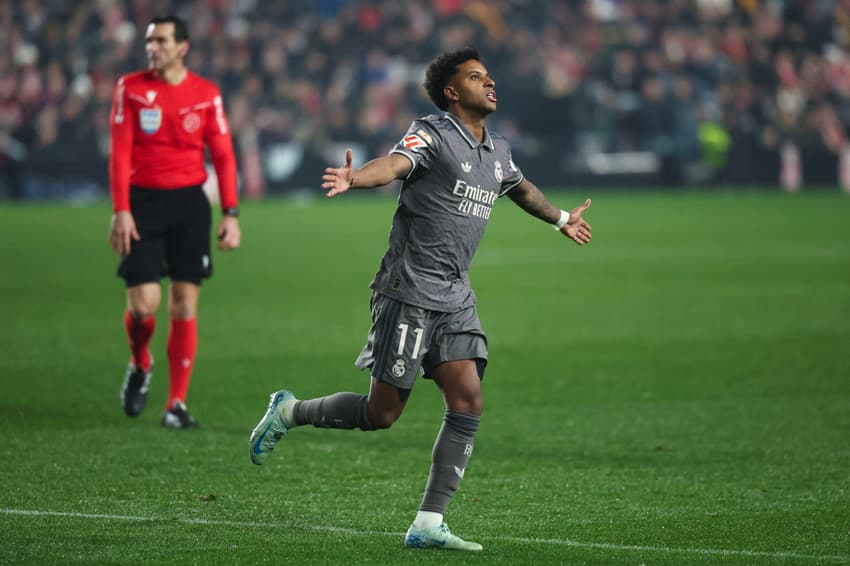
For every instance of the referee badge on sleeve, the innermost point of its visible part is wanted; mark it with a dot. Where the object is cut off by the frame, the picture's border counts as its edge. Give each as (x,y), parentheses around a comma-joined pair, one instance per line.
(150,119)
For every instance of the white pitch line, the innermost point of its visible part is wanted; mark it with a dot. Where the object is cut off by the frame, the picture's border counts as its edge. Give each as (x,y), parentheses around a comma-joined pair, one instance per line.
(358,532)
(682,550)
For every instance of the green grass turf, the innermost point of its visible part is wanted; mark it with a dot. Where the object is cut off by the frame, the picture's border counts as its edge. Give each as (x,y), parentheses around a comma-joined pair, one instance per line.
(676,392)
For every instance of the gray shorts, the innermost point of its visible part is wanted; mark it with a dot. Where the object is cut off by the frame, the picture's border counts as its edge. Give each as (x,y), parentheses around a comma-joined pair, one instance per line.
(404,338)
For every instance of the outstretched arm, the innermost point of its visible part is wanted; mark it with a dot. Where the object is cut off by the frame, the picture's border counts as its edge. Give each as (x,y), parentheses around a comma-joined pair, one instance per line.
(375,173)
(528,197)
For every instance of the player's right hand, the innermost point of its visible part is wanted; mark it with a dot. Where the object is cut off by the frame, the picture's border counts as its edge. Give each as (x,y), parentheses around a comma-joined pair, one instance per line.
(337,180)
(122,229)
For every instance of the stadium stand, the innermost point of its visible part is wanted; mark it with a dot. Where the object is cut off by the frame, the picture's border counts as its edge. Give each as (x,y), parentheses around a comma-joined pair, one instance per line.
(592,92)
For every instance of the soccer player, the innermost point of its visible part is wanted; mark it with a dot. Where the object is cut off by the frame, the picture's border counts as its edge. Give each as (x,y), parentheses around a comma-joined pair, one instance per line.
(423,308)
(162,118)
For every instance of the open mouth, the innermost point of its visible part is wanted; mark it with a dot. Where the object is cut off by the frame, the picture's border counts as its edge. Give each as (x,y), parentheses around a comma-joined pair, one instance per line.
(491,96)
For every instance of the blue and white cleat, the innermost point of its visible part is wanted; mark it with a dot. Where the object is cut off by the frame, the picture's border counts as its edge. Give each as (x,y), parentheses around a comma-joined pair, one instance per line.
(270,429)
(437,537)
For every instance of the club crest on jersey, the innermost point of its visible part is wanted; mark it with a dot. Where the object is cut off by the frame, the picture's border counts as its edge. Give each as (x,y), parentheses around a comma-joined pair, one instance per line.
(150,119)
(498,171)
(191,122)
(414,142)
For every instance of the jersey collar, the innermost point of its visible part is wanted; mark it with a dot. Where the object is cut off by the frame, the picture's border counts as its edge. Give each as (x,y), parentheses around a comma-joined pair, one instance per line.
(470,139)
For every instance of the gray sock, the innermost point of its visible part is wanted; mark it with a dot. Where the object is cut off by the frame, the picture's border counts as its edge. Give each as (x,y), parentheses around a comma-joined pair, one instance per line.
(340,410)
(452,450)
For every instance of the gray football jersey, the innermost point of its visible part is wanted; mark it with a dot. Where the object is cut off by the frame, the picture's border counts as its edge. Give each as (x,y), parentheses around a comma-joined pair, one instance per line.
(443,209)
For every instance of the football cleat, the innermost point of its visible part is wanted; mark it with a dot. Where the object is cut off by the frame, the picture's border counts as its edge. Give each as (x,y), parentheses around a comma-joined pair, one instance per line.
(134,391)
(178,417)
(270,429)
(438,536)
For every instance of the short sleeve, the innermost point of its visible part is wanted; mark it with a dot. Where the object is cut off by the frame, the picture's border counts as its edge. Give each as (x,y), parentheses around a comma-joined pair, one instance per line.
(420,145)
(512,175)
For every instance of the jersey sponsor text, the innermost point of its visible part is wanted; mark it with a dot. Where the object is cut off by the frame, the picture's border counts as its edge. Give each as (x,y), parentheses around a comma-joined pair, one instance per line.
(476,201)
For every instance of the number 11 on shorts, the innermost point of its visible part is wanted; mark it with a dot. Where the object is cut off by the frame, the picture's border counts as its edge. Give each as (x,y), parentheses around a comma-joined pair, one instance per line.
(403,338)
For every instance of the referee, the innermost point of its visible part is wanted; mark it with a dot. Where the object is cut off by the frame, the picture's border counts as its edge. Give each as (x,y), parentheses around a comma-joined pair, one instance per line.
(161,121)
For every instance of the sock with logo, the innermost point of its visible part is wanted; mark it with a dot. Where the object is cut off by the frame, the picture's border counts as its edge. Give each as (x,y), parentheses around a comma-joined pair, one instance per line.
(340,410)
(182,345)
(139,332)
(451,453)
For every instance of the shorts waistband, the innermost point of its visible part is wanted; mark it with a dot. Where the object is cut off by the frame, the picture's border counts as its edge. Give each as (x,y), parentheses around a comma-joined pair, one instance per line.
(138,188)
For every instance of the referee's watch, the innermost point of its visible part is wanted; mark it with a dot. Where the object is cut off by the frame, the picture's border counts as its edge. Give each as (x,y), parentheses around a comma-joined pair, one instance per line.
(232,211)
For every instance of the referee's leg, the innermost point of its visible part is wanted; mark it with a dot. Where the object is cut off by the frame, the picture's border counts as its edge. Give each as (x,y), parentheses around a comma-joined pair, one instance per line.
(182,338)
(139,322)
(142,303)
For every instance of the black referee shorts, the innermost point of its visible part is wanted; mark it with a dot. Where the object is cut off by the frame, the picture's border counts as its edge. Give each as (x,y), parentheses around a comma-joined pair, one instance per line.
(174,226)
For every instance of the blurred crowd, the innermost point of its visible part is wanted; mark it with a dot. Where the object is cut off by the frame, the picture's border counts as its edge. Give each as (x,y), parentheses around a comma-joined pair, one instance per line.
(712,89)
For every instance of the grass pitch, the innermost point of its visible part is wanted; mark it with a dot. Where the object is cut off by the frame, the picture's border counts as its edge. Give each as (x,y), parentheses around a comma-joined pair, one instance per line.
(678,391)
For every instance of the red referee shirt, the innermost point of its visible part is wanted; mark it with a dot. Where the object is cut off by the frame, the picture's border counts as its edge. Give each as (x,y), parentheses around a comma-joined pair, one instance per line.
(158,135)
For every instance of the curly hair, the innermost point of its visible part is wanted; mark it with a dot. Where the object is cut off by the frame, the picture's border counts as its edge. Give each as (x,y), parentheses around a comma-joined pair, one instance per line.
(442,70)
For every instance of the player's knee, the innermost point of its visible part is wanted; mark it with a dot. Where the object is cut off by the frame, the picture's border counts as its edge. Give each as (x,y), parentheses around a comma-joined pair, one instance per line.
(474,404)
(183,301)
(182,308)
(477,406)
(140,311)
(182,311)
(383,418)
(470,402)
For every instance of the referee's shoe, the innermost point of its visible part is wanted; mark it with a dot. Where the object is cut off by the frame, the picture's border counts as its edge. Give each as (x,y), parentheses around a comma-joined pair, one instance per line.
(178,417)
(134,391)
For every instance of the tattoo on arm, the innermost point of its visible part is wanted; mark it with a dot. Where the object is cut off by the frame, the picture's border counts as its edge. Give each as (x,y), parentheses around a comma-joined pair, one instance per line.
(532,200)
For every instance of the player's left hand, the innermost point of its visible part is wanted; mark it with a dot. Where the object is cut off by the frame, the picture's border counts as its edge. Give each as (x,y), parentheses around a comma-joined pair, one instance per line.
(577,229)
(229,234)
